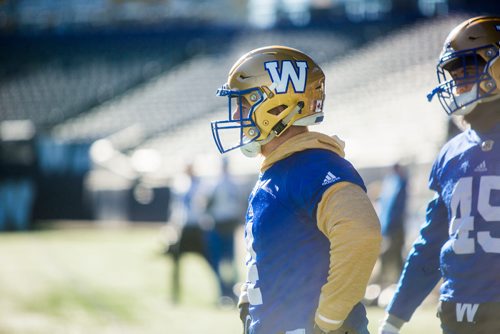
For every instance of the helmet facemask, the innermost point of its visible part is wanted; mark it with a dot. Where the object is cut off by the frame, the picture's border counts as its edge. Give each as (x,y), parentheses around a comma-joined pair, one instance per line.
(464,79)
(239,129)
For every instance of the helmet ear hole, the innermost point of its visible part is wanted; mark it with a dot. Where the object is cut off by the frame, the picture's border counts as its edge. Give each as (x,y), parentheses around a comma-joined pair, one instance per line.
(277,110)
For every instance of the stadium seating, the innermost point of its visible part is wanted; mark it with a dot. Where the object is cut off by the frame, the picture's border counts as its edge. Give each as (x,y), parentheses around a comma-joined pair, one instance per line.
(183,94)
(53,79)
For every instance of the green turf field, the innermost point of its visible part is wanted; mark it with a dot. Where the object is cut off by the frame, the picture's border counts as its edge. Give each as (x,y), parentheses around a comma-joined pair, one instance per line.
(115,281)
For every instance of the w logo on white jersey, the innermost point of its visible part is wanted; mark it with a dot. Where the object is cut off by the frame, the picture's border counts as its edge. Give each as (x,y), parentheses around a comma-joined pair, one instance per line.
(288,73)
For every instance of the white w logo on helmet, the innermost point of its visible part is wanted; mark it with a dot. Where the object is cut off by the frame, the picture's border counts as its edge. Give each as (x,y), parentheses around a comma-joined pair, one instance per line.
(288,73)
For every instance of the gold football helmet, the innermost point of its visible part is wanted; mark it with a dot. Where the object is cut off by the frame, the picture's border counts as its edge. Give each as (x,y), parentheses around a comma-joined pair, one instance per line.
(468,69)
(269,89)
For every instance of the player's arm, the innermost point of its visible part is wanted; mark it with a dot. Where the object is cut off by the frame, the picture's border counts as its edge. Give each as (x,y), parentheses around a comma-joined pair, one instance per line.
(346,216)
(421,271)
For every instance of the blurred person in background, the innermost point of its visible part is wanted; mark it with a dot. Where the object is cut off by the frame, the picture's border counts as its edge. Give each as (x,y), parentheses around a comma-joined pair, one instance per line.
(460,240)
(392,210)
(225,207)
(16,203)
(312,234)
(189,218)
(18,173)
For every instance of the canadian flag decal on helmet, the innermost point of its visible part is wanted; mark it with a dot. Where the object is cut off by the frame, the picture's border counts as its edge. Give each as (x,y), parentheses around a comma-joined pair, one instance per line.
(288,73)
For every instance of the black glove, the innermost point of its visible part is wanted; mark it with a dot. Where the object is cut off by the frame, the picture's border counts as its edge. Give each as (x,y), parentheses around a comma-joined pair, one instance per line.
(245,316)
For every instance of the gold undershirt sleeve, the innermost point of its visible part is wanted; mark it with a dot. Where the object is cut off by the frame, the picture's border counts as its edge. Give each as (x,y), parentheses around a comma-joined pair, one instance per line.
(347,217)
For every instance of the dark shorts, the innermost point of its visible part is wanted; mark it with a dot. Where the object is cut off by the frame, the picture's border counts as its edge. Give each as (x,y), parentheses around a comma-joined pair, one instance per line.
(463,318)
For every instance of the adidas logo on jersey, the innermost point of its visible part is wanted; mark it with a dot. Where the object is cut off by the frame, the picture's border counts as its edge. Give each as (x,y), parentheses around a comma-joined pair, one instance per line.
(481,167)
(329,178)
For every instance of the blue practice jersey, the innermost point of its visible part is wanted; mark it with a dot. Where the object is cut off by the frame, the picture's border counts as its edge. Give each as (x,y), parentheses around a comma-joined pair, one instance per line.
(288,256)
(460,240)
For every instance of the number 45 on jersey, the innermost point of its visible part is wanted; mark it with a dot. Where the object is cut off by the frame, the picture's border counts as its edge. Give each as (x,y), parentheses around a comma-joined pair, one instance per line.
(462,198)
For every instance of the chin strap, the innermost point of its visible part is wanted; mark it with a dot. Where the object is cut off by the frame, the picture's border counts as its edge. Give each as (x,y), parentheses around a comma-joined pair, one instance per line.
(281,125)
(253,148)
(435,91)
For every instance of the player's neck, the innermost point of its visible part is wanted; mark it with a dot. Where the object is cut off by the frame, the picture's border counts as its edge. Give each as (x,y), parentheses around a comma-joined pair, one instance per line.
(289,133)
(484,118)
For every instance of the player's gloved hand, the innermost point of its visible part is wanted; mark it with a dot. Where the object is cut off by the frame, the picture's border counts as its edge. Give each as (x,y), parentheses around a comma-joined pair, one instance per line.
(245,316)
(390,325)
(387,328)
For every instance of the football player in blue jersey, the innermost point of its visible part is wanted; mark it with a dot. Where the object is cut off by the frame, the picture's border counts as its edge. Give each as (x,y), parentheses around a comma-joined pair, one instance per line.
(460,240)
(312,235)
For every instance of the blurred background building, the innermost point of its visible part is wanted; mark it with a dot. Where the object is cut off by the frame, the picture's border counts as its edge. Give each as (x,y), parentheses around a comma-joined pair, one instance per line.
(102,101)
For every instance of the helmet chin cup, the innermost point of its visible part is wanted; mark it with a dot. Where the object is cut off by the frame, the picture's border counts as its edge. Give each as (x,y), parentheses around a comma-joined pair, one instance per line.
(469,108)
(465,110)
(251,149)
(466,102)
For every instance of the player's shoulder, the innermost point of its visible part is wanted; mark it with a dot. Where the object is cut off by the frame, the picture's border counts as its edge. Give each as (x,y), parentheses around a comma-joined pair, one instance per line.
(321,167)
(317,159)
(455,147)
(451,157)
(306,175)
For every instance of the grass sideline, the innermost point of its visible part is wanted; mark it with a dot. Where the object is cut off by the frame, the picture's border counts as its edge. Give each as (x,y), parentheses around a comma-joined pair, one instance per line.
(92,280)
